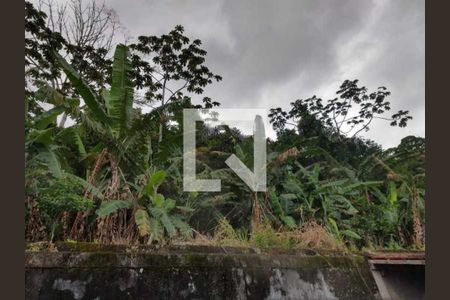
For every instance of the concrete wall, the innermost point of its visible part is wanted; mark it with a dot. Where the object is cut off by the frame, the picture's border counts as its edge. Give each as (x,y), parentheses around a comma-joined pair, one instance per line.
(74,272)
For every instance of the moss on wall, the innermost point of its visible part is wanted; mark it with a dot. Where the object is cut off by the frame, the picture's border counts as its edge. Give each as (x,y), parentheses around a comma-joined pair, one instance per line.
(81,271)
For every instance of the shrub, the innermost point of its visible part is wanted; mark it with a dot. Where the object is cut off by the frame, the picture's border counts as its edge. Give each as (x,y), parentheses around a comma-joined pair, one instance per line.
(63,195)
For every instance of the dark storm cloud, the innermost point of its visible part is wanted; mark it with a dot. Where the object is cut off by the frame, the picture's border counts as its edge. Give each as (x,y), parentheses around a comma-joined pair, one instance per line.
(273,52)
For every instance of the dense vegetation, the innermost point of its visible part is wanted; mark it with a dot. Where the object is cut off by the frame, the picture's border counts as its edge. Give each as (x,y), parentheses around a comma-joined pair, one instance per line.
(113,174)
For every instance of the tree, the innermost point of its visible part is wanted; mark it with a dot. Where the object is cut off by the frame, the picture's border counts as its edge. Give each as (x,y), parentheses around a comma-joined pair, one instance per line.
(82,33)
(82,23)
(314,138)
(173,65)
(347,115)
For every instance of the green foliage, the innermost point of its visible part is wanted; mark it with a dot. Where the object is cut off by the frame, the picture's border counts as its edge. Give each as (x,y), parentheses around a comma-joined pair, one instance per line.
(154,215)
(305,193)
(160,212)
(226,235)
(279,212)
(339,234)
(110,207)
(179,59)
(63,195)
(143,222)
(265,239)
(82,88)
(334,114)
(154,182)
(120,98)
(114,159)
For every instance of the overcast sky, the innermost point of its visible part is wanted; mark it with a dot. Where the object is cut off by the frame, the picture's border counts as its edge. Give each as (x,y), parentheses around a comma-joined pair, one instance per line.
(273,52)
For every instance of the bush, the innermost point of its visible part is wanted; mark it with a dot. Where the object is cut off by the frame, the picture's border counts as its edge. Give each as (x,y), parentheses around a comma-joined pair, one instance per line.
(63,195)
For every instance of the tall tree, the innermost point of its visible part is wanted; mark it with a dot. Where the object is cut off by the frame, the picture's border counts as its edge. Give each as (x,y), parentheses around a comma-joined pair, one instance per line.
(347,115)
(83,34)
(169,67)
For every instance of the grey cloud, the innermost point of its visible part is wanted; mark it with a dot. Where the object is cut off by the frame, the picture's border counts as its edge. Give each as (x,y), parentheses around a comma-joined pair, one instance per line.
(273,52)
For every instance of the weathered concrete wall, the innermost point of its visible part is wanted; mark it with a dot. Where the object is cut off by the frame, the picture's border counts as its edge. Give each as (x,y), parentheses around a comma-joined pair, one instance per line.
(194,273)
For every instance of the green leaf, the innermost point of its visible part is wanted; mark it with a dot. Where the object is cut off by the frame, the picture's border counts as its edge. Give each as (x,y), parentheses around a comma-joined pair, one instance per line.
(154,182)
(142,220)
(351,234)
(48,117)
(185,208)
(77,140)
(218,200)
(288,196)
(276,205)
(392,193)
(184,227)
(148,151)
(156,229)
(158,178)
(83,89)
(109,207)
(90,188)
(169,204)
(72,103)
(51,160)
(332,184)
(359,185)
(351,210)
(106,99)
(156,212)
(44,137)
(334,226)
(168,225)
(158,200)
(292,187)
(71,135)
(289,221)
(120,99)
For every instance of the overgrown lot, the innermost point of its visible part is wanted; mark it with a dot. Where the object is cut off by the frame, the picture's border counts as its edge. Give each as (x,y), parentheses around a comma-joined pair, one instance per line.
(104,154)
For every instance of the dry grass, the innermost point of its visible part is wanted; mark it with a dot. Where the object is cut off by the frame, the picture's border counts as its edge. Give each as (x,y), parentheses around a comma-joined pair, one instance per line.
(313,235)
(309,236)
(226,235)
(197,239)
(264,236)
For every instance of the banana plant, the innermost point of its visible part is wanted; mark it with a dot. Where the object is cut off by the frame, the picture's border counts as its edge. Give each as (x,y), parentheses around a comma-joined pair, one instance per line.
(405,188)
(44,140)
(339,234)
(43,135)
(113,109)
(47,145)
(306,196)
(110,117)
(278,211)
(155,216)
